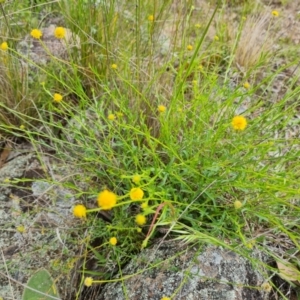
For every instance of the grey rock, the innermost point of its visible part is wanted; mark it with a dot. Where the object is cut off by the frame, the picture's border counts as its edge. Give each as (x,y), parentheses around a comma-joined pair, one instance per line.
(173,270)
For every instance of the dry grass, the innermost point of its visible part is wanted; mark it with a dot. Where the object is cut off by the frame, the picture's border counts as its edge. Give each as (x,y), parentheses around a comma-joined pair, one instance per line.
(256,41)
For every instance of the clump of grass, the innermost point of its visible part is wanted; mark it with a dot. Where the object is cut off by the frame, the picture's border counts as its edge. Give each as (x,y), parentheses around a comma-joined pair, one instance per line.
(185,156)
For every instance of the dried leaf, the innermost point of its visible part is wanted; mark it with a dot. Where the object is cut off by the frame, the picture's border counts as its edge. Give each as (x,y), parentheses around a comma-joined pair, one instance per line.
(289,272)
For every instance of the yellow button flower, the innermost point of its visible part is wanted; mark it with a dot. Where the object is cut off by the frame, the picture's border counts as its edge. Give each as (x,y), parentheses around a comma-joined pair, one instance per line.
(36,33)
(113,241)
(57,97)
(107,200)
(88,281)
(161,108)
(136,194)
(140,219)
(151,18)
(239,123)
(79,211)
(4,46)
(237,204)
(60,32)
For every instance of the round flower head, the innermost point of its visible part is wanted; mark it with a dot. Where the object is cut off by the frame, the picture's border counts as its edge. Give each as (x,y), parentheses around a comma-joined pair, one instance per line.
(216,38)
(57,97)
(246,85)
(151,18)
(239,123)
(237,204)
(79,211)
(140,219)
(114,66)
(60,32)
(36,33)
(275,13)
(113,241)
(111,117)
(136,194)
(107,200)
(266,287)
(4,46)
(189,47)
(161,108)
(88,281)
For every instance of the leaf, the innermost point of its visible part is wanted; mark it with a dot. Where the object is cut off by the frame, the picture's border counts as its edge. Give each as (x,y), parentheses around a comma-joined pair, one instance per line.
(40,286)
(288,272)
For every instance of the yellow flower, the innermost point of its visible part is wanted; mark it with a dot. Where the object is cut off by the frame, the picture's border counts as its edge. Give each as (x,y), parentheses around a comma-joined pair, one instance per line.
(151,18)
(79,211)
(198,25)
(237,204)
(21,228)
(114,66)
(246,85)
(136,194)
(136,178)
(88,281)
(161,108)
(4,46)
(57,97)
(239,123)
(165,298)
(216,38)
(36,33)
(140,219)
(60,32)
(189,47)
(111,117)
(275,13)
(113,241)
(107,200)
(22,127)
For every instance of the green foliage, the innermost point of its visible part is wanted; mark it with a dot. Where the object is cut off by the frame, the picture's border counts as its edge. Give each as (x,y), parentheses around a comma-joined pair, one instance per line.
(40,286)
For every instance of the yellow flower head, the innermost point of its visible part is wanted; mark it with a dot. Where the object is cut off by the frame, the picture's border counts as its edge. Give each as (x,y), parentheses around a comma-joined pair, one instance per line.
(239,123)
(275,13)
(36,33)
(22,127)
(198,25)
(57,97)
(189,47)
(113,241)
(246,85)
(107,200)
(114,66)
(136,178)
(136,194)
(140,219)
(151,18)
(88,281)
(111,117)
(60,32)
(216,38)
(165,298)
(237,204)
(161,108)
(79,211)
(4,46)
(21,228)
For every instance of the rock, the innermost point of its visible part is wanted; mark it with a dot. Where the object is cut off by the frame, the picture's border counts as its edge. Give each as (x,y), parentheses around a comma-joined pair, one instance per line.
(42,51)
(174,271)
